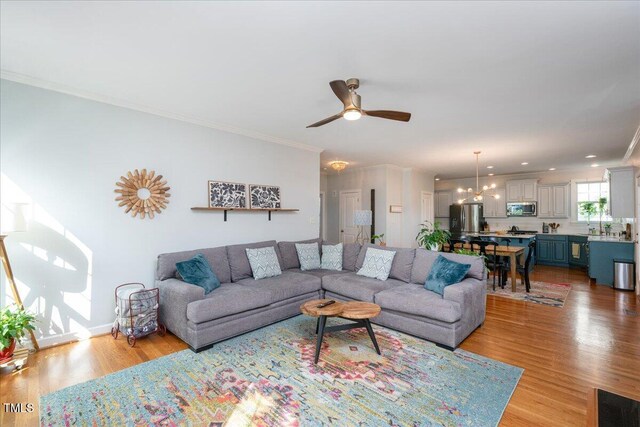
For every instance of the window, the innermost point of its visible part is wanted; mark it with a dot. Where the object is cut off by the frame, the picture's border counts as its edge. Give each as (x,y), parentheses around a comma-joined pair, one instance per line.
(592,192)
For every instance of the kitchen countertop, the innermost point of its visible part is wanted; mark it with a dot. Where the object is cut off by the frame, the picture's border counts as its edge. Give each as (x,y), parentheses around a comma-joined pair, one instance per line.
(510,236)
(608,239)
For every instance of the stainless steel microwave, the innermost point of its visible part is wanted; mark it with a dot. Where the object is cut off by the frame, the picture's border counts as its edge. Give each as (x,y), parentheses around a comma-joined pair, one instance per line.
(521,209)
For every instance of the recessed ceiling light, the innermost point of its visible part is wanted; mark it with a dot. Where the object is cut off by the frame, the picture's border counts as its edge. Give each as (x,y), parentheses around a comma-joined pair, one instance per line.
(489,167)
(552,169)
(524,163)
(437,179)
(594,165)
(590,156)
(491,174)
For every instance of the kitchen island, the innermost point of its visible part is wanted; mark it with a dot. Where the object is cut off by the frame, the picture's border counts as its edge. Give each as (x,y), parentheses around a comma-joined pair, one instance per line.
(602,251)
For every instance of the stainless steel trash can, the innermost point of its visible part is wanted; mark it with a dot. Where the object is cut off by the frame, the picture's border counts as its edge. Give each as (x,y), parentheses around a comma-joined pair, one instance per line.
(624,274)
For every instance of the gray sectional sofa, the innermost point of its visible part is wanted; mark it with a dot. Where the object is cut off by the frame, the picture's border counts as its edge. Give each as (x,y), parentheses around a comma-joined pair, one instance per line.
(243,304)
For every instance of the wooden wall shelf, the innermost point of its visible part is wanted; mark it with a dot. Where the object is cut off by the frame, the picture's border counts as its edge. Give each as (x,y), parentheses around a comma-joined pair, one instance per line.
(225,210)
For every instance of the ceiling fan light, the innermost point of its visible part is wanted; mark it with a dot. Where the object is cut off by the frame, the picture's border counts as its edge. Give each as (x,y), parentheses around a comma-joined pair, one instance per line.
(352,114)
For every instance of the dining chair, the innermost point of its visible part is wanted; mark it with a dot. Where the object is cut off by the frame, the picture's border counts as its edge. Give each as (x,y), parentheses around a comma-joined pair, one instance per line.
(503,263)
(454,242)
(488,249)
(523,271)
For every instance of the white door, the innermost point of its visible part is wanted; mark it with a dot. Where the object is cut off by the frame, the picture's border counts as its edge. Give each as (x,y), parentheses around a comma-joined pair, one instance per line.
(349,203)
(426,203)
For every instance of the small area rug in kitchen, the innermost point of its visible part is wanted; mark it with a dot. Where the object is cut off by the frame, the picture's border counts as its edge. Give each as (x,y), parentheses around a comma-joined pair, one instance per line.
(552,294)
(268,378)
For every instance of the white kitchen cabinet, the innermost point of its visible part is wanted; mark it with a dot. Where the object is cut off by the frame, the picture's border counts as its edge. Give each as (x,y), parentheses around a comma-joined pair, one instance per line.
(522,190)
(495,208)
(622,191)
(443,200)
(553,201)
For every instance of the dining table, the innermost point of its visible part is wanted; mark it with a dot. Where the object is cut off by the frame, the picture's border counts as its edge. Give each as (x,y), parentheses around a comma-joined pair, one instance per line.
(514,253)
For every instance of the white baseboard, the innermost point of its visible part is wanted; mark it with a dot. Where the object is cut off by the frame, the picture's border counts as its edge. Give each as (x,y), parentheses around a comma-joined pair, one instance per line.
(73,336)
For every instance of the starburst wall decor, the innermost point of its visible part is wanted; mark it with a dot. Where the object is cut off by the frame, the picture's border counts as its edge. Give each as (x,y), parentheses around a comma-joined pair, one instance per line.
(142,193)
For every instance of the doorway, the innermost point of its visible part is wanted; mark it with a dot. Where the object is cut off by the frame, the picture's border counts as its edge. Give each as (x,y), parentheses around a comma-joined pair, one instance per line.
(323,216)
(350,201)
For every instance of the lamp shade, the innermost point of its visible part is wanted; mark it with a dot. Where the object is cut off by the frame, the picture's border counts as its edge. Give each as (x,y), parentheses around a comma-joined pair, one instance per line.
(362,218)
(16,218)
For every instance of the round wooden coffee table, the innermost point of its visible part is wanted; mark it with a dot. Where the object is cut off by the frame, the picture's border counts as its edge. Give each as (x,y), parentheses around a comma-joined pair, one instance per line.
(358,312)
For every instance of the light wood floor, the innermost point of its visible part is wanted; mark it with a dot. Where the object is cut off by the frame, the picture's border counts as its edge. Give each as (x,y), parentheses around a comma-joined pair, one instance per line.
(591,342)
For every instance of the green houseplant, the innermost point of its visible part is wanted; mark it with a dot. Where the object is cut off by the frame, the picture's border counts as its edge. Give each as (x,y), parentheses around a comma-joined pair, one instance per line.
(431,236)
(602,209)
(14,324)
(588,209)
(379,238)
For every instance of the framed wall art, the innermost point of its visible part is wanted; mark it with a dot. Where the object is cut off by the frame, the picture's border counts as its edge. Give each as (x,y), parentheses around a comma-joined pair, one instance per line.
(264,197)
(227,194)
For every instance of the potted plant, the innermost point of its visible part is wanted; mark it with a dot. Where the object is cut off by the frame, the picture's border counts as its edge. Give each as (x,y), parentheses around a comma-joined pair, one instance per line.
(607,228)
(379,238)
(588,209)
(602,209)
(432,237)
(14,324)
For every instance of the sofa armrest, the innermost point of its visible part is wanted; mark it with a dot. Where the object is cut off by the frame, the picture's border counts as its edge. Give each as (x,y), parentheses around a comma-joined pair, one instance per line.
(175,296)
(471,294)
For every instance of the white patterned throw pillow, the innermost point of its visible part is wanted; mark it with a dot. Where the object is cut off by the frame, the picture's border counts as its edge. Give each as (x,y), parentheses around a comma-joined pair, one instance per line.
(309,256)
(377,264)
(264,262)
(332,257)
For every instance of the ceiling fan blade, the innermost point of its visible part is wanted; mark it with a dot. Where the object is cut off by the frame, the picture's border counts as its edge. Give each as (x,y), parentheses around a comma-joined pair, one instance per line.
(325,121)
(341,90)
(386,114)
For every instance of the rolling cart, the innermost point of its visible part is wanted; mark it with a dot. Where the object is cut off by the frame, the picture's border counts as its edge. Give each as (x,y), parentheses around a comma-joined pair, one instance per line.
(136,312)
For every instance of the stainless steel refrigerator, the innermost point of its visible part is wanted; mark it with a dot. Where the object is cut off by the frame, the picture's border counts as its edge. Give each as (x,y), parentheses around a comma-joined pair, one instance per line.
(465,218)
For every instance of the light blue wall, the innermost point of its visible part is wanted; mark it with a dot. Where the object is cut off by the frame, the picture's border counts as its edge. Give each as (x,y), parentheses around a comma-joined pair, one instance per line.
(64,155)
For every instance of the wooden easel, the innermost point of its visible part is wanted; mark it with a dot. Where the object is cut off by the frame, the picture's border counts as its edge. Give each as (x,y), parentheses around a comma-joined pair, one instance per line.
(12,284)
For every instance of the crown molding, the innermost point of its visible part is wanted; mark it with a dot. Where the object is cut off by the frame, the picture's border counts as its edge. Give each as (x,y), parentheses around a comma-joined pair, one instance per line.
(632,145)
(68,90)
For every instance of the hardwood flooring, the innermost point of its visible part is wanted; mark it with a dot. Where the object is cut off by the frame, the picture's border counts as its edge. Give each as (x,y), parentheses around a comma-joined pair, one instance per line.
(594,341)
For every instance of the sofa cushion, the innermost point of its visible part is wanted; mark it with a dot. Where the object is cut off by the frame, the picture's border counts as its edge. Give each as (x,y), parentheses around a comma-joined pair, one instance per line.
(414,299)
(288,285)
(377,264)
(264,262)
(319,273)
(290,255)
(238,261)
(332,257)
(445,272)
(350,253)
(228,299)
(402,262)
(308,255)
(216,257)
(198,272)
(424,260)
(357,287)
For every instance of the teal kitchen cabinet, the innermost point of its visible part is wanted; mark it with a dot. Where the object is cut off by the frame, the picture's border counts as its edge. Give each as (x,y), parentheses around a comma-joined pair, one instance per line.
(553,249)
(578,251)
(601,256)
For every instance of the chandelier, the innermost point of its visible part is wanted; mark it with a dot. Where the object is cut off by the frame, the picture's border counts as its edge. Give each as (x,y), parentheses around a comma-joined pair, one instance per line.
(338,165)
(478,194)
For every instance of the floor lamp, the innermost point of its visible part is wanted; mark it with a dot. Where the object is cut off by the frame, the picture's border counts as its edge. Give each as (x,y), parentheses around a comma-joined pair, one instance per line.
(17,223)
(362,219)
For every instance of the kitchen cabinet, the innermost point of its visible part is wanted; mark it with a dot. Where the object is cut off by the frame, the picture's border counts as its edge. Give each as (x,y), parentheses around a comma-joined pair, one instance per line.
(443,200)
(601,256)
(495,208)
(553,200)
(552,249)
(578,251)
(621,191)
(522,190)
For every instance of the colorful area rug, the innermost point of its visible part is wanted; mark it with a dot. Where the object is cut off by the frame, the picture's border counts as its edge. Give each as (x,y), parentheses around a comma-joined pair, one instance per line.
(552,294)
(268,378)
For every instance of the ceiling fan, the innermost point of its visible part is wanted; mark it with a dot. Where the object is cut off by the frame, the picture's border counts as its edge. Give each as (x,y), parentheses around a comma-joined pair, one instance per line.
(346,92)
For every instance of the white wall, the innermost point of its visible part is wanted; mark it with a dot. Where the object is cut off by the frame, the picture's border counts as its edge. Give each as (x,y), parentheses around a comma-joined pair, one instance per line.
(415,182)
(550,177)
(64,154)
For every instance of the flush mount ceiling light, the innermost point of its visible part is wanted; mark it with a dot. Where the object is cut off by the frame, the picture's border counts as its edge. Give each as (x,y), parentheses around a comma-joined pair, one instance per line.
(478,194)
(338,165)
(590,156)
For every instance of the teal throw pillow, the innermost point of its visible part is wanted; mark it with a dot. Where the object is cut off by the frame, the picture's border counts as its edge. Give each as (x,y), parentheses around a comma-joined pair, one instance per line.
(198,272)
(444,273)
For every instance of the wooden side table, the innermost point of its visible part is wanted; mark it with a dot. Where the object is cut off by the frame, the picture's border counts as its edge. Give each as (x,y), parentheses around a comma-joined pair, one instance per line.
(358,312)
